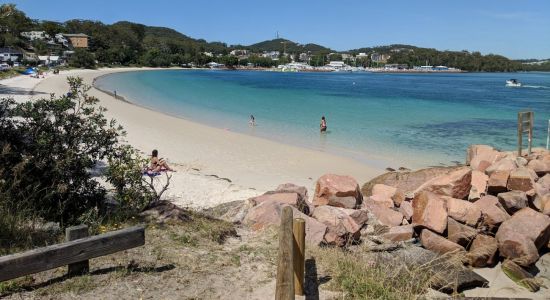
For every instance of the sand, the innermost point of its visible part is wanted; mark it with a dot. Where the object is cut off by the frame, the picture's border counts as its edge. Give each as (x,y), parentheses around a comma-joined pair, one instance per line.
(247,165)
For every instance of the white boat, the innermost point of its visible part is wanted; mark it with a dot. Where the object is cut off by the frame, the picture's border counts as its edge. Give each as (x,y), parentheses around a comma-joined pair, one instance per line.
(513,83)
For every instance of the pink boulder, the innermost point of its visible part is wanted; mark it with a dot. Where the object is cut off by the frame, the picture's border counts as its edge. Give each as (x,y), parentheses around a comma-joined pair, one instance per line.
(463,211)
(385,216)
(479,185)
(336,190)
(492,213)
(481,155)
(513,201)
(407,210)
(498,182)
(342,228)
(483,251)
(438,244)
(460,233)
(381,200)
(541,167)
(521,180)
(505,164)
(456,184)
(399,233)
(429,211)
(383,190)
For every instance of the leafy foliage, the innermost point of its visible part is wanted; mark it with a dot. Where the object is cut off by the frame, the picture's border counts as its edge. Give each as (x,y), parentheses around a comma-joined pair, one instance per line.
(82,58)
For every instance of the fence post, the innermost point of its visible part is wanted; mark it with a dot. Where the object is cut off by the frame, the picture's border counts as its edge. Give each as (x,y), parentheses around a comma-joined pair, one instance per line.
(284,289)
(299,255)
(75,233)
(520,133)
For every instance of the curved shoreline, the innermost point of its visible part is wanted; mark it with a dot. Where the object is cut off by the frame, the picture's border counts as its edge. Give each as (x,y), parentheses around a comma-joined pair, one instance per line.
(248,160)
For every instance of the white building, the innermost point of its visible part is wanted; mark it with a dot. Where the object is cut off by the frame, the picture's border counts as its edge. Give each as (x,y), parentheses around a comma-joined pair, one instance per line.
(62,40)
(35,35)
(239,52)
(274,55)
(214,65)
(362,55)
(49,60)
(10,54)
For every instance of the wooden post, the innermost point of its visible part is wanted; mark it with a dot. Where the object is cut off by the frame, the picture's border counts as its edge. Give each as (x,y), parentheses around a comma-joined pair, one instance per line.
(520,132)
(531,119)
(299,255)
(285,271)
(75,233)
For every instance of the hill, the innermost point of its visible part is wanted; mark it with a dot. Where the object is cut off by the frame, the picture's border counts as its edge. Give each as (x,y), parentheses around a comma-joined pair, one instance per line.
(288,46)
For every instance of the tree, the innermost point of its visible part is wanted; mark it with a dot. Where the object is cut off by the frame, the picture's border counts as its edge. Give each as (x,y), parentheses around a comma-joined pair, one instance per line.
(82,58)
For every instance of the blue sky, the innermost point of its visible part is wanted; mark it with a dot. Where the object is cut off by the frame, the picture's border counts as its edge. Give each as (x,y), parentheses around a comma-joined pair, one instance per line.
(516,29)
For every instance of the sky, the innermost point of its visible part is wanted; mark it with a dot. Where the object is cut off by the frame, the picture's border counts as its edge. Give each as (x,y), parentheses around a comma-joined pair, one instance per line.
(516,29)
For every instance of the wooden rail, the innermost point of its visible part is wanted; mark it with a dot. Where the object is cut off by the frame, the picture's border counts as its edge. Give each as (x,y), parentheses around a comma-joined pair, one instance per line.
(74,253)
(291,257)
(525,125)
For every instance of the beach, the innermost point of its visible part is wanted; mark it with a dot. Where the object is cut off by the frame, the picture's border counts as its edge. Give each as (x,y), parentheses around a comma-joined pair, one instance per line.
(213,165)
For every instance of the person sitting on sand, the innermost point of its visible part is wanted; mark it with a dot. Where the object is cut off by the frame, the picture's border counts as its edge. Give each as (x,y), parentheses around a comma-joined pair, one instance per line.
(158,165)
(323,124)
(252,121)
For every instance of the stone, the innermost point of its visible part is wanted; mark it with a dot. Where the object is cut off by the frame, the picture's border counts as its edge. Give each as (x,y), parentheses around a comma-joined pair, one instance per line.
(398,198)
(521,180)
(438,244)
(284,198)
(407,210)
(543,204)
(268,213)
(521,161)
(399,233)
(330,189)
(479,185)
(505,164)
(292,188)
(463,211)
(358,215)
(456,184)
(483,251)
(429,211)
(540,167)
(234,211)
(477,154)
(384,190)
(342,228)
(381,200)
(386,216)
(492,212)
(460,233)
(513,201)
(498,182)
(517,247)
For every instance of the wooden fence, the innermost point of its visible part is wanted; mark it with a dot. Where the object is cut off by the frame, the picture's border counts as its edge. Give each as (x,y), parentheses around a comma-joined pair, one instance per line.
(291,259)
(75,252)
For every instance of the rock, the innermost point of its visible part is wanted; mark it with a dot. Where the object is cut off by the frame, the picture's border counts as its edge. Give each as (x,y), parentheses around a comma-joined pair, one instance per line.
(429,211)
(358,215)
(513,201)
(505,164)
(166,211)
(479,185)
(460,233)
(437,243)
(386,216)
(383,190)
(492,213)
(234,211)
(543,204)
(268,213)
(406,182)
(521,236)
(520,276)
(521,161)
(462,211)
(399,233)
(292,188)
(334,189)
(342,228)
(398,198)
(498,182)
(381,200)
(284,198)
(521,180)
(540,167)
(456,184)
(287,193)
(407,210)
(483,251)
(476,154)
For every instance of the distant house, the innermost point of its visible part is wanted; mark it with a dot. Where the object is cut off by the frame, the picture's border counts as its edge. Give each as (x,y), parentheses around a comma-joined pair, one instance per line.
(214,65)
(379,58)
(10,54)
(304,57)
(362,55)
(274,55)
(79,40)
(49,60)
(239,52)
(35,35)
(62,40)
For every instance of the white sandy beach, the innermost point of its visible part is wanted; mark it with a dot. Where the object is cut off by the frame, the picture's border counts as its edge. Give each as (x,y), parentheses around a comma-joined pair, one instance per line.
(253,165)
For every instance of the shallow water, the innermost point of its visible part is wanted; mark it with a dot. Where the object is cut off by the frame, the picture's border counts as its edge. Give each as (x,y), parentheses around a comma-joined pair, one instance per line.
(413,120)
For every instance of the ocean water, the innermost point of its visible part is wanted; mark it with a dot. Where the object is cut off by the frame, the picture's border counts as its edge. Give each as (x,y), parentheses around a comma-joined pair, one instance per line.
(411,120)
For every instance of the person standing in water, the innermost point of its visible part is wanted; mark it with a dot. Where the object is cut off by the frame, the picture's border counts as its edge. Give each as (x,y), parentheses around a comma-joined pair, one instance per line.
(323,124)
(252,121)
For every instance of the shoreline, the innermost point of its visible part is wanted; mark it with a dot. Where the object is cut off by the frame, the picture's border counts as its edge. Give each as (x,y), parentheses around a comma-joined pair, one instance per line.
(253,164)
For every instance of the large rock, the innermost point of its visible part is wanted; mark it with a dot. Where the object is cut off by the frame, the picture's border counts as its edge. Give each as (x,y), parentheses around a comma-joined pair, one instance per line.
(481,155)
(399,233)
(505,164)
(521,180)
(438,244)
(407,210)
(384,190)
(543,204)
(268,213)
(381,200)
(479,185)
(358,215)
(513,201)
(541,167)
(483,251)
(335,190)
(429,211)
(234,211)
(456,184)
(384,215)
(520,237)
(498,182)
(492,212)
(460,233)
(463,211)
(342,228)
(406,182)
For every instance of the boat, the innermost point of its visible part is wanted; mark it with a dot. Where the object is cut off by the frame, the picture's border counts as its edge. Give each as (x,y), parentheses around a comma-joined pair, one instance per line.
(513,83)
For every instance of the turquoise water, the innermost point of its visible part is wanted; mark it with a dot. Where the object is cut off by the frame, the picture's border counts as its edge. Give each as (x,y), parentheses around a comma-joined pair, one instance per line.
(413,120)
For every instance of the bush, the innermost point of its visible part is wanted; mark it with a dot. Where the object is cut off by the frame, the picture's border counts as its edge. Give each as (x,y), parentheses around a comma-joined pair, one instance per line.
(81,58)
